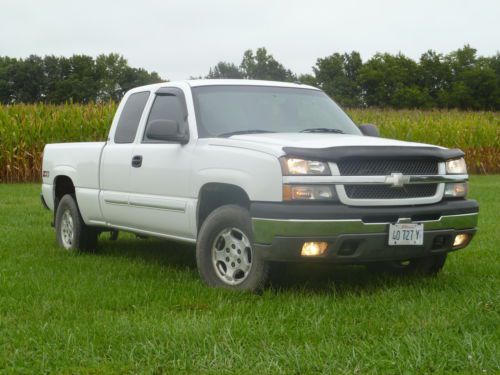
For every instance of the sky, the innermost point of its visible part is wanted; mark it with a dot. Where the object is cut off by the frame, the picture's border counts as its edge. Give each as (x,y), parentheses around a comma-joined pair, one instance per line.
(183,38)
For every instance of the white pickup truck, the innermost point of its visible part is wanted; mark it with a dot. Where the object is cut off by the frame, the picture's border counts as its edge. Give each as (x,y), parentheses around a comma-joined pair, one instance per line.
(254,172)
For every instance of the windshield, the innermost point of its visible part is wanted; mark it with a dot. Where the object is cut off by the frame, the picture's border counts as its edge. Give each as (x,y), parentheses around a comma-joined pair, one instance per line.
(228,110)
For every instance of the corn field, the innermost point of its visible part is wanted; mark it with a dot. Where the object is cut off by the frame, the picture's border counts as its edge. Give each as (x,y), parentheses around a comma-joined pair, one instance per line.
(475,133)
(25,129)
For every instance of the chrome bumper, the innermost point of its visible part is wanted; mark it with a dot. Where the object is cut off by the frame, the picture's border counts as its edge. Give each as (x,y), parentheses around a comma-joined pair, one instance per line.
(353,241)
(265,230)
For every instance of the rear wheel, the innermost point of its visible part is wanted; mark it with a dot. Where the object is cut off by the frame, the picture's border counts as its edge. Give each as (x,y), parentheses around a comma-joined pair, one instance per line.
(225,254)
(426,266)
(71,231)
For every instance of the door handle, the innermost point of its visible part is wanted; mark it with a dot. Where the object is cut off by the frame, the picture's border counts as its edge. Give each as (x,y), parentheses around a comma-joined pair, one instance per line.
(137,161)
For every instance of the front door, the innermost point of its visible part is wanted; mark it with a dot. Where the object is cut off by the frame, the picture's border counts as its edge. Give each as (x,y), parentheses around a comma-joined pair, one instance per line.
(160,184)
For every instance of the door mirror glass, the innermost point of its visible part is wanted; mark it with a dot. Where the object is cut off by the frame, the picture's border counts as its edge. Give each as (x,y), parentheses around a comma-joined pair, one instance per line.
(164,130)
(369,130)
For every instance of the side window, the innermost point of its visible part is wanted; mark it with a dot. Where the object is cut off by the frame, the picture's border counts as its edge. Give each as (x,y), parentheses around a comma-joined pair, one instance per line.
(130,117)
(166,107)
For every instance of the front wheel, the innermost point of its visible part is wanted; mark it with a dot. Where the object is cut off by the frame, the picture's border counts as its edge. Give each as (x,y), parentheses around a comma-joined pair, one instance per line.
(225,254)
(71,231)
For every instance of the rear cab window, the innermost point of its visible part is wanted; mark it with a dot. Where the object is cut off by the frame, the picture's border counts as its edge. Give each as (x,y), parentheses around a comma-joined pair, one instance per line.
(130,117)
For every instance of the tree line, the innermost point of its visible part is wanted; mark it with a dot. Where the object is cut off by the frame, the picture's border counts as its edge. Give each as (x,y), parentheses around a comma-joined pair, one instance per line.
(78,79)
(460,79)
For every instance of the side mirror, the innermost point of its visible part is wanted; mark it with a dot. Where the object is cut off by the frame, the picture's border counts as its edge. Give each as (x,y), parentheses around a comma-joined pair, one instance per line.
(369,130)
(167,131)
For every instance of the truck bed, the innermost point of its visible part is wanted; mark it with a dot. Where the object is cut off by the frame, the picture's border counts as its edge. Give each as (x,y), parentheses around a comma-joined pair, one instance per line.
(79,161)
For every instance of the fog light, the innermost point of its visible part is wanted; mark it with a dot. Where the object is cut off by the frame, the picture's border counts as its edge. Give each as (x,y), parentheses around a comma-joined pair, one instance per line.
(312,249)
(461,240)
(307,192)
(456,190)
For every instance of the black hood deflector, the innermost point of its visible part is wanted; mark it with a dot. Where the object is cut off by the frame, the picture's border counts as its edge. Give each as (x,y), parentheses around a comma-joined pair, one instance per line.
(373,152)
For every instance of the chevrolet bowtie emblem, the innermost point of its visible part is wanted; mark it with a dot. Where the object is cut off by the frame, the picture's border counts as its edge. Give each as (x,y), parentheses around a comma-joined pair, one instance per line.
(397,180)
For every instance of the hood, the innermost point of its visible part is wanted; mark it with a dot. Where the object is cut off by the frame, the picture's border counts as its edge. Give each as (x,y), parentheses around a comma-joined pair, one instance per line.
(320,140)
(273,143)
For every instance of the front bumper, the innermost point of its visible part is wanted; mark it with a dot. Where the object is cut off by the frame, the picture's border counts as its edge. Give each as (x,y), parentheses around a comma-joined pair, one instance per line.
(356,234)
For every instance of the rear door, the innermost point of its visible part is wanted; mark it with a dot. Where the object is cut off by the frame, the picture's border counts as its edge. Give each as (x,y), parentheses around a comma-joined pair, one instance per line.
(116,161)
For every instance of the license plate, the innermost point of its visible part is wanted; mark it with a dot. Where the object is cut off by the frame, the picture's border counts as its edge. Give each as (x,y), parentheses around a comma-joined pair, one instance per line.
(406,234)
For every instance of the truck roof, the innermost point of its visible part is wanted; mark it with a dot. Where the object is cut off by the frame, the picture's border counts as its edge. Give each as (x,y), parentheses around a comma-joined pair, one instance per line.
(219,82)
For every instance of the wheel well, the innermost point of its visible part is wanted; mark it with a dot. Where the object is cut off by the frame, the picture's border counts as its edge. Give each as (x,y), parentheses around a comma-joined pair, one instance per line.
(215,195)
(62,186)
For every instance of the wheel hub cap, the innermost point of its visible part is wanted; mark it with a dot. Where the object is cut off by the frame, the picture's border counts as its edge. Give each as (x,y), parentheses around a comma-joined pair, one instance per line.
(67,232)
(232,256)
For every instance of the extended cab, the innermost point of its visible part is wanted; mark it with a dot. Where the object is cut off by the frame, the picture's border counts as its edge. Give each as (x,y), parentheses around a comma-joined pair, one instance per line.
(253,172)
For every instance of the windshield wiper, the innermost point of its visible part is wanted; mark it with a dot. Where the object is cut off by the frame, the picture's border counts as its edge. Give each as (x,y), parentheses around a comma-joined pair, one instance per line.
(322,130)
(238,132)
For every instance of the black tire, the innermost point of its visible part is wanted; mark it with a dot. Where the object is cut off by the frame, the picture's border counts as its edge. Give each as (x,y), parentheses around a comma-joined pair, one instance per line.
(82,236)
(233,221)
(426,266)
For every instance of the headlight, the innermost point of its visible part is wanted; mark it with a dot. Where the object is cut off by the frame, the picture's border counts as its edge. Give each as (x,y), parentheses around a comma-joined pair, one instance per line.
(308,192)
(294,167)
(456,166)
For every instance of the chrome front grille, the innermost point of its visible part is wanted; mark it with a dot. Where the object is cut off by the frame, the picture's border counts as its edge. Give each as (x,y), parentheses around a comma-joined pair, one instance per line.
(374,167)
(388,181)
(388,192)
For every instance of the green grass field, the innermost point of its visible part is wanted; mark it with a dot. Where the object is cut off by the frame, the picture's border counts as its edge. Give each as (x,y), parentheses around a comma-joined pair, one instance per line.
(138,306)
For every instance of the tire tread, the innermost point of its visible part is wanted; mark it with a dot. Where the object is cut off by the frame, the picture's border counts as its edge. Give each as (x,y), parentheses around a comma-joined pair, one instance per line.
(85,236)
(226,216)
